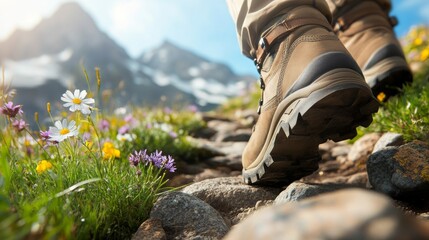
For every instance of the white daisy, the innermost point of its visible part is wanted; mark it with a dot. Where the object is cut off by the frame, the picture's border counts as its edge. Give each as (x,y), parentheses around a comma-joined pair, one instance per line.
(63,130)
(77,101)
(125,137)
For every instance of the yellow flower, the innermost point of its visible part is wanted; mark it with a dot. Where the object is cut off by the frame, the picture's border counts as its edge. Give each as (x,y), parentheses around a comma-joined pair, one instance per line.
(43,166)
(381,96)
(424,54)
(109,151)
(418,41)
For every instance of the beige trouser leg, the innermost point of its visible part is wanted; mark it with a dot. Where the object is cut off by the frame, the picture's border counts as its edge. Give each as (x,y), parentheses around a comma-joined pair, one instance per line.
(254,17)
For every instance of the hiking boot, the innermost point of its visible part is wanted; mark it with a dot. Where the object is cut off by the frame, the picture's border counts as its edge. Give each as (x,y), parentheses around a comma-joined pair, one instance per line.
(366,30)
(312,90)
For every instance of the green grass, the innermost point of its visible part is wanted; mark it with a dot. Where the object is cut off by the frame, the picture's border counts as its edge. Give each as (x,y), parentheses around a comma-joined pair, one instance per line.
(408,113)
(88,188)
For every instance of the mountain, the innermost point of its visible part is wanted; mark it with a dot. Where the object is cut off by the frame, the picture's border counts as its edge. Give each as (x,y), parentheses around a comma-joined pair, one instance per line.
(51,55)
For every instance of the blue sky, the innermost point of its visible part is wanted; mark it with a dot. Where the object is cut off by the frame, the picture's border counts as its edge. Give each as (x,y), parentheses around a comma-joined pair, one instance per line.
(203,26)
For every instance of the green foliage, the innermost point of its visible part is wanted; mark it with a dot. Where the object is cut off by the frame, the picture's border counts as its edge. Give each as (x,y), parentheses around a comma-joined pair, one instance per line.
(407,113)
(83,186)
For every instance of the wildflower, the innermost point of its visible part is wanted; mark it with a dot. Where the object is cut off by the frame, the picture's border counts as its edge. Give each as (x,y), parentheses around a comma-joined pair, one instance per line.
(19,125)
(418,41)
(156,158)
(10,110)
(424,54)
(172,134)
(109,151)
(125,137)
(44,135)
(86,136)
(124,129)
(138,157)
(193,108)
(77,101)
(43,166)
(104,125)
(169,164)
(63,130)
(48,107)
(130,120)
(381,96)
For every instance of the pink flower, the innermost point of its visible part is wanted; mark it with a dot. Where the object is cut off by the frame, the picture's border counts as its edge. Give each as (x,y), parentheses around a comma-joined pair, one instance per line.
(19,125)
(10,110)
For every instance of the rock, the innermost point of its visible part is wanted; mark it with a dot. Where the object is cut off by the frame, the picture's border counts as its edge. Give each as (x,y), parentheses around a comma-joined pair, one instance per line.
(240,135)
(363,147)
(298,191)
(359,179)
(401,171)
(233,162)
(340,150)
(151,229)
(388,140)
(180,180)
(209,174)
(230,196)
(345,214)
(232,148)
(184,216)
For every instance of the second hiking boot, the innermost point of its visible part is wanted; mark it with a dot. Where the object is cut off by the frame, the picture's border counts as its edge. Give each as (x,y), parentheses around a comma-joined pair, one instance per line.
(366,30)
(312,90)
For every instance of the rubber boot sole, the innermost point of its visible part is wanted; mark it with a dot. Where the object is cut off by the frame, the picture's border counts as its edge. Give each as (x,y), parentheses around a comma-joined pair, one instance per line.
(388,77)
(331,108)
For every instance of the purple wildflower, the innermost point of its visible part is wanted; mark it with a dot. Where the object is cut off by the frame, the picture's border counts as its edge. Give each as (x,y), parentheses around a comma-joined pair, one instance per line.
(173,134)
(124,129)
(156,158)
(44,135)
(130,120)
(149,125)
(19,125)
(137,157)
(10,110)
(169,164)
(86,136)
(167,110)
(193,108)
(104,125)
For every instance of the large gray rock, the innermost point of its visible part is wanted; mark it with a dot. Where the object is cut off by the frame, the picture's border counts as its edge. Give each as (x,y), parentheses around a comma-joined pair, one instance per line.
(401,171)
(363,147)
(344,214)
(298,191)
(231,197)
(388,140)
(184,216)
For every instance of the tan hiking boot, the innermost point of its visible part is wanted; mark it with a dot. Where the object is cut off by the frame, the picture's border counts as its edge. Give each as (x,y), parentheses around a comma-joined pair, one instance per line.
(312,90)
(366,30)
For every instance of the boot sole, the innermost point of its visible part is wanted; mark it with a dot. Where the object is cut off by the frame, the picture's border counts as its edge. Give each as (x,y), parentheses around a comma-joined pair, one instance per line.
(330,108)
(388,76)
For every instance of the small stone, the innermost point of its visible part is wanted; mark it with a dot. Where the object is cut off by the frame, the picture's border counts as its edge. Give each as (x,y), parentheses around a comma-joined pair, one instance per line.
(401,171)
(298,191)
(388,140)
(184,216)
(359,179)
(363,147)
(150,229)
(340,150)
(230,196)
(344,214)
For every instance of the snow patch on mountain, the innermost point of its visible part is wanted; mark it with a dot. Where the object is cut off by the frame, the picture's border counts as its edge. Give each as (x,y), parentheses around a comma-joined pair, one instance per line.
(36,71)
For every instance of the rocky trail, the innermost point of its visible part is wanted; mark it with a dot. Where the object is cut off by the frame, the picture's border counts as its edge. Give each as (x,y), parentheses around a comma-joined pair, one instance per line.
(375,188)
